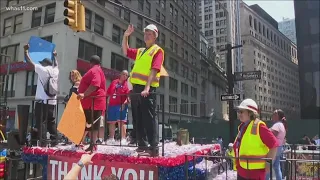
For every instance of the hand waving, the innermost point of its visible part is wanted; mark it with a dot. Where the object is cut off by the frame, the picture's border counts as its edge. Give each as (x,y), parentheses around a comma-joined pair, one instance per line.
(26,47)
(129,30)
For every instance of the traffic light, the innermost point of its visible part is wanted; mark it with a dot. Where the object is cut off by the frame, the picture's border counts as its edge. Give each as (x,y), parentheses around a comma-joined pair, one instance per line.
(75,15)
(81,14)
(71,13)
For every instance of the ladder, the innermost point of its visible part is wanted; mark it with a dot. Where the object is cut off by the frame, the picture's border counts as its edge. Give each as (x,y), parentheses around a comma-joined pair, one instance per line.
(5,60)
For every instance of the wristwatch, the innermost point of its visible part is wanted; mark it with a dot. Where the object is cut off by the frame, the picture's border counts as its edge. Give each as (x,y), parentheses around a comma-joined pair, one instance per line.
(80,164)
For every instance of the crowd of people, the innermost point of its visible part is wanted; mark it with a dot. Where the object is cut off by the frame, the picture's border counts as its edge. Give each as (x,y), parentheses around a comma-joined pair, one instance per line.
(91,89)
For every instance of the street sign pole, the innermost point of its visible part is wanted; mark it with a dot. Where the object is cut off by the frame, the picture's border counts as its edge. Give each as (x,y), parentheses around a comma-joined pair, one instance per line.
(230,77)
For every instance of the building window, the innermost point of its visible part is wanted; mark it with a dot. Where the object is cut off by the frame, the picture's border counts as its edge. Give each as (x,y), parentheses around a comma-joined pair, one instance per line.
(157,16)
(175,48)
(184,89)
(17,23)
(184,71)
(7,86)
(102,2)
(193,109)
(175,14)
(173,84)
(7,26)
(161,102)
(140,5)
(12,2)
(49,14)
(12,51)
(250,20)
(47,38)
(88,18)
(171,44)
(162,82)
(139,43)
(86,50)
(36,18)
(163,20)
(184,107)
(163,6)
(255,24)
(117,11)
(126,16)
(99,24)
(148,8)
(31,83)
(173,104)
(171,10)
(139,23)
(116,34)
(163,39)
(173,65)
(194,92)
(119,62)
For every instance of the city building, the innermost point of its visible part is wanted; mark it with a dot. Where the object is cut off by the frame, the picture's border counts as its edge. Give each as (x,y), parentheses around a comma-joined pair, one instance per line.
(266,49)
(307,27)
(213,83)
(105,25)
(288,28)
(219,22)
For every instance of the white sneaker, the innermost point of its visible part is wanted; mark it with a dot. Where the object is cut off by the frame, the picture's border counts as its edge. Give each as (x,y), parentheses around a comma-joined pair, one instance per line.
(124,142)
(111,142)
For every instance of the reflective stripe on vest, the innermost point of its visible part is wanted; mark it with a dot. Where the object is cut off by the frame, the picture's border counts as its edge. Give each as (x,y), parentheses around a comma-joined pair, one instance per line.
(142,67)
(252,149)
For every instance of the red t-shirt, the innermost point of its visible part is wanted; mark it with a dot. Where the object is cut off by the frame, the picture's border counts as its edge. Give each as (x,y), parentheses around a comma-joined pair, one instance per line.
(117,88)
(94,77)
(269,140)
(156,62)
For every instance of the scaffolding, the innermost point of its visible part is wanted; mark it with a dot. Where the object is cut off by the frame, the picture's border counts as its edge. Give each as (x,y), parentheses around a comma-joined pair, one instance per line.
(5,60)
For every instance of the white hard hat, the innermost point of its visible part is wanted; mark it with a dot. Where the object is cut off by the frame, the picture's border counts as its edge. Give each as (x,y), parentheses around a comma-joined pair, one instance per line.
(151,27)
(249,104)
(230,145)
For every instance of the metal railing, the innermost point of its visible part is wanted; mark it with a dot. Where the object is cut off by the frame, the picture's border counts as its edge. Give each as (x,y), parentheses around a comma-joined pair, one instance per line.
(292,169)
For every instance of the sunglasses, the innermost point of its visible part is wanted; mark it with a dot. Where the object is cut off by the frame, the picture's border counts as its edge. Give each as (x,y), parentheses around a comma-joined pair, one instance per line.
(241,111)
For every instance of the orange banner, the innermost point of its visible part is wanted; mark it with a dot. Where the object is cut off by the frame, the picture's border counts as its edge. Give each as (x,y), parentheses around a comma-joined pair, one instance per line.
(73,120)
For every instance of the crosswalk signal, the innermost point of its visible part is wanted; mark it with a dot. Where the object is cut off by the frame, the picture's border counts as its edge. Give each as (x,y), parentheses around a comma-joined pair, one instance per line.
(71,13)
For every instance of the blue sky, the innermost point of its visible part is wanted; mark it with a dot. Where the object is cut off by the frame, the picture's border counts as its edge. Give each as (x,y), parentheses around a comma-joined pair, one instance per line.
(277,9)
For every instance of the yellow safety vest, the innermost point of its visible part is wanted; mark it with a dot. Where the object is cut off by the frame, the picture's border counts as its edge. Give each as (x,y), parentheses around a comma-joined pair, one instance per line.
(252,147)
(142,66)
(232,154)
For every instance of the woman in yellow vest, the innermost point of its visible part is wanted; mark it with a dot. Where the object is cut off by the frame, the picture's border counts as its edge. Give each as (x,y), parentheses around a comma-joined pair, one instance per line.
(145,77)
(230,153)
(253,142)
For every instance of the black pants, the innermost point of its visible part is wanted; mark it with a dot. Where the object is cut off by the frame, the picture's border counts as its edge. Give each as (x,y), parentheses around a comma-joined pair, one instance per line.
(145,116)
(134,123)
(44,114)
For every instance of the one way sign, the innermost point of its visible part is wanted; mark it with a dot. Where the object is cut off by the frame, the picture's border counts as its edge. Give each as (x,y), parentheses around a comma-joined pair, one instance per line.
(230,97)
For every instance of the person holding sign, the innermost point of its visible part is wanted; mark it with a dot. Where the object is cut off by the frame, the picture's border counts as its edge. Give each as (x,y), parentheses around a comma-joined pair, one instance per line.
(145,77)
(93,83)
(45,102)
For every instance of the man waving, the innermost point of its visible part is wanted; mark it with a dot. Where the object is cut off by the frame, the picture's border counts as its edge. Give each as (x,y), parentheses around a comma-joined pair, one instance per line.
(145,77)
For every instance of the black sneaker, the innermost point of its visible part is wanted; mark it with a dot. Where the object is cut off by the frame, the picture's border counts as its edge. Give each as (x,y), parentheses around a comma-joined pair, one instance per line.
(98,141)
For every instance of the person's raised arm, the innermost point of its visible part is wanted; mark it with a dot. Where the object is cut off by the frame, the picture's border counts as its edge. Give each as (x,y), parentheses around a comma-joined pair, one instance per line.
(55,61)
(27,56)
(74,172)
(127,33)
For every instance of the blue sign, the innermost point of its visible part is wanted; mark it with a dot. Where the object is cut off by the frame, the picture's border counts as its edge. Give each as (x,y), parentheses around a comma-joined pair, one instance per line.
(40,49)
